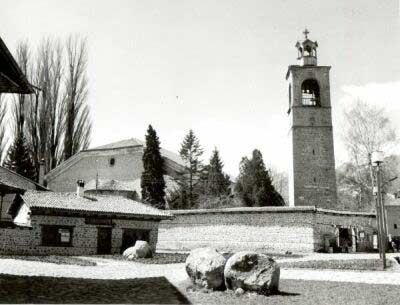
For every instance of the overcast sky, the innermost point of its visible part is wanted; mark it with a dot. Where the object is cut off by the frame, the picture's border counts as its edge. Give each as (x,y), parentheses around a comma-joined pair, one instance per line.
(217,67)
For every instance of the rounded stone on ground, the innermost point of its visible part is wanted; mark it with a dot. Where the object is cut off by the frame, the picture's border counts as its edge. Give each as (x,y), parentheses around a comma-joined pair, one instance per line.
(252,272)
(205,268)
(141,249)
(239,291)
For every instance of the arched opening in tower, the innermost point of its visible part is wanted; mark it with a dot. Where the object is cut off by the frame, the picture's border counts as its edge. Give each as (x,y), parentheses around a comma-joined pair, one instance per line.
(310,93)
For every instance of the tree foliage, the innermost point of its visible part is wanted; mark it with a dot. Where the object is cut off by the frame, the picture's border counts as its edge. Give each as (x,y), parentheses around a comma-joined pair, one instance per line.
(19,159)
(367,129)
(191,152)
(3,126)
(217,182)
(55,121)
(152,181)
(77,119)
(254,184)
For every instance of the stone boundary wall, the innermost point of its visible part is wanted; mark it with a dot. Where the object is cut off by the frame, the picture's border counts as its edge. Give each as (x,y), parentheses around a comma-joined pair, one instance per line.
(84,241)
(269,229)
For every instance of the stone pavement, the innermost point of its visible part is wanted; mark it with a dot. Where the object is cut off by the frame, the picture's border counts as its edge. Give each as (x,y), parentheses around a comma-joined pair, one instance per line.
(175,273)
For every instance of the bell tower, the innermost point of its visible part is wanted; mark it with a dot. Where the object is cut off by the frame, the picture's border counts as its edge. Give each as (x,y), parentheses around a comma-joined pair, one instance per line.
(312,179)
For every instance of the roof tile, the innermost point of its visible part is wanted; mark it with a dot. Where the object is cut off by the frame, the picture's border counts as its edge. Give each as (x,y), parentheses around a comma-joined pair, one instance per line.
(101,204)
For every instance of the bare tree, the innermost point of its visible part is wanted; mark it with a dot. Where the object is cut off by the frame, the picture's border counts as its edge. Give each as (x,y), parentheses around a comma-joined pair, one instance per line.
(367,129)
(280,181)
(44,121)
(23,57)
(3,125)
(77,123)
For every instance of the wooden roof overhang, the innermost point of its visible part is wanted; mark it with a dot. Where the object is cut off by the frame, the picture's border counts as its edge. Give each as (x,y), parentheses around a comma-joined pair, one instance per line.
(9,189)
(99,214)
(12,80)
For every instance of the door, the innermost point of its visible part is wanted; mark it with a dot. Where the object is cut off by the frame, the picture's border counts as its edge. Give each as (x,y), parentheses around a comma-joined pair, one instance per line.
(104,240)
(130,236)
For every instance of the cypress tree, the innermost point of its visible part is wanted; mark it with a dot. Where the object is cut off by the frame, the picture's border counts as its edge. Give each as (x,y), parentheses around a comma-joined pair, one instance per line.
(152,182)
(254,184)
(191,152)
(19,158)
(217,182)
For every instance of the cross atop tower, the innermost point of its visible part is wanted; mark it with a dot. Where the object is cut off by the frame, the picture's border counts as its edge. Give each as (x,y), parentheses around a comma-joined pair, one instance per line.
(307,50)
(306,32)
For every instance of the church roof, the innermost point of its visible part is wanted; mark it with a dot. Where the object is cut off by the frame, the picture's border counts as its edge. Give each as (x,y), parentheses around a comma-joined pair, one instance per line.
(133,142)
(12,80)
(120,144)
(110,185)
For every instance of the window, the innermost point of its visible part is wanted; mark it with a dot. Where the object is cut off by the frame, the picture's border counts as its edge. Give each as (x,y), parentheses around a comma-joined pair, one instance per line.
(57,236)
(395,225)
(112,161)
(310,93)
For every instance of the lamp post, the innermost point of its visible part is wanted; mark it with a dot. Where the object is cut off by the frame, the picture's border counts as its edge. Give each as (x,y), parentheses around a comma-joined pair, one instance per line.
(377,160)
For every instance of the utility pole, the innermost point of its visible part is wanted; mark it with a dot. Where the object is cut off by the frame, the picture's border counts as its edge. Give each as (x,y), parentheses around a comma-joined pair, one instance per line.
(377,160)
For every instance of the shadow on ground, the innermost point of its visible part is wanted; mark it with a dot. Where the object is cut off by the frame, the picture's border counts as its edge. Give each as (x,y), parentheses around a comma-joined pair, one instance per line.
(39,289)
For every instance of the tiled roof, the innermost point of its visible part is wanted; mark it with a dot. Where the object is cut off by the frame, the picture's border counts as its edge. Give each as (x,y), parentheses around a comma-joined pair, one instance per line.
(136,142)
(7,188)
(11,178)
(110,185)
(120,144)
(133,185)
(99,204)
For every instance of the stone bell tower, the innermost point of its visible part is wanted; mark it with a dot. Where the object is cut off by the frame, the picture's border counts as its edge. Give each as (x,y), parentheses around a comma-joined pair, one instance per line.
(312,179)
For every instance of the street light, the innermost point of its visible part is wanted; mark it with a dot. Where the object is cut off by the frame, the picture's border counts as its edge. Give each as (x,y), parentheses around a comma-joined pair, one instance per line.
(377,160)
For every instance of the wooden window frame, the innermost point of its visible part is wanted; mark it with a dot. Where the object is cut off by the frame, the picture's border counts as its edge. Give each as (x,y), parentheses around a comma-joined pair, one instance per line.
(57,242)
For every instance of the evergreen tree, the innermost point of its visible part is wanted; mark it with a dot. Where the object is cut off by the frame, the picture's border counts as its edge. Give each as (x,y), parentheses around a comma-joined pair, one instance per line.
(191,152)
(19,159)
(152,182)
(217,182)
(254,184)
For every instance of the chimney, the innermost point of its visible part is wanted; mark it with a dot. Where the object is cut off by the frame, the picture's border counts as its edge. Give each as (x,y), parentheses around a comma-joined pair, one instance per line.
(41,172)
(80,188)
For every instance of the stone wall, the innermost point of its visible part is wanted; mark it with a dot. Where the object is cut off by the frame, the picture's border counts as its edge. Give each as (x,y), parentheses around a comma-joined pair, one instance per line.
(269,229)
(84,239)
(312,177)
(393,220)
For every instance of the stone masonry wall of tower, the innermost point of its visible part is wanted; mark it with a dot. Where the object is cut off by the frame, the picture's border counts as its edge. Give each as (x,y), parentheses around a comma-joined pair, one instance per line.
(312,178)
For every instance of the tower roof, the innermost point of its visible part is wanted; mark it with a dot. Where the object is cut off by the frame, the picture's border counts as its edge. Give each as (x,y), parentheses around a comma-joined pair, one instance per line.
(307,50)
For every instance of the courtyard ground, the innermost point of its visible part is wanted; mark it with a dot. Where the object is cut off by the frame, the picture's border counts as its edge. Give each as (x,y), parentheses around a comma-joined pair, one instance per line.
(125,280)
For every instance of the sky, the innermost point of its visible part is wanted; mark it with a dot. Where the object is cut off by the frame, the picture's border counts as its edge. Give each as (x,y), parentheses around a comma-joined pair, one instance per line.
(217,67)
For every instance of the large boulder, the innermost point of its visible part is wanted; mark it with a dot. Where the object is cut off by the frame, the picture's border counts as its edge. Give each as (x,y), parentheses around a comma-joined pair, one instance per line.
(141,249)
(252,272)
(205,267)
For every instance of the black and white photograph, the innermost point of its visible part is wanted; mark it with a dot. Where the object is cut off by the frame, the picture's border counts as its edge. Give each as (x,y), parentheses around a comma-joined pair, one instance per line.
(200,152)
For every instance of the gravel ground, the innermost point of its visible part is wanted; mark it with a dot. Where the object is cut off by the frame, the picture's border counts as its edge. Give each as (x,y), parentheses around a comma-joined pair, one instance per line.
(304,292)
(48,290)
(175,273)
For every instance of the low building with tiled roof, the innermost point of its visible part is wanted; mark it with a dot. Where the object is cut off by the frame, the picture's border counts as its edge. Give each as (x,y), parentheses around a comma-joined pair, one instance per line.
(10,179)
(75,224)
(119,161)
